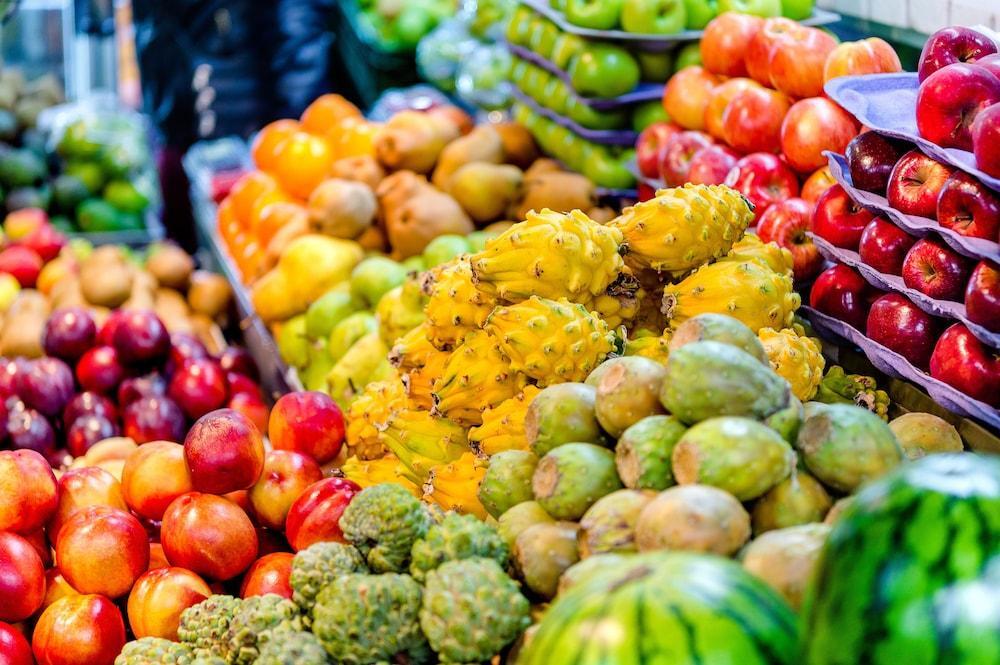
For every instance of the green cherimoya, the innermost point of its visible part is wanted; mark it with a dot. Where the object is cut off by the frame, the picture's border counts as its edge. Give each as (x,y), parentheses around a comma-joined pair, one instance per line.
(472,610)
(363,619)
(154,651)
(203,626)
(255,621)
(292,647)
(318,565)
(383,521)
(457,537)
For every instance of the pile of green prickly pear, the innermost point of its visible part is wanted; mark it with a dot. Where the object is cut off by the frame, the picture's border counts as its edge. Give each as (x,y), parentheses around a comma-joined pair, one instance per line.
(709,452)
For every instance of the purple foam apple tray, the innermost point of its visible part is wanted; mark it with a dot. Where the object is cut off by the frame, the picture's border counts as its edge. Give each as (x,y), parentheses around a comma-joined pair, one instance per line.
(647,42)
(644,92)
(974,248)
(889,362)
(623,137)
(947,309)
(887,103)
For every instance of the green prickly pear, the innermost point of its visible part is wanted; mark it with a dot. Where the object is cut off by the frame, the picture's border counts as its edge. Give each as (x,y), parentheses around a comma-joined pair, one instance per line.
(609,524)
(520,517)
(628,390)
(798,499)
(643,452)
(507,481)
(563,413)
(543,552)
(569,479)
(719,328)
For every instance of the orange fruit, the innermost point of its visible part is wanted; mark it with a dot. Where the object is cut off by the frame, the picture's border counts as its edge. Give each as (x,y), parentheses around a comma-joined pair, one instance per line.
(275,216)
(260,205)
(248,189)
(354,137)
(268,139)
(226,220)
(302,161)
(325,112)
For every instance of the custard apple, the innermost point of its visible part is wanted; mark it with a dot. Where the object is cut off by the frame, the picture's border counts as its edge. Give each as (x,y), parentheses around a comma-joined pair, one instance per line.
(254,621)
(154,651)
(383,521)
(290,647)
(203,626)
(457,537)
(318,565)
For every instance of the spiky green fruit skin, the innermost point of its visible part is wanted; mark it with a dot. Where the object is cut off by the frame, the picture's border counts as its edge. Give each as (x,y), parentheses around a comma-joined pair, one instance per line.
(543,552)
(154,651)
(318,565)
(798,499)
(563,413)
(507,481)
(369,618)
(627,392)
(845,446)
(738,455)
(709,379)
(711,327)
(456,537)
(471,610)
(609,524)
(203,626)
(292,648)
(383,522)
(786,558)
(666,607)
(642,454)
(257,618)
(909,573)
(520,517)
(572,477)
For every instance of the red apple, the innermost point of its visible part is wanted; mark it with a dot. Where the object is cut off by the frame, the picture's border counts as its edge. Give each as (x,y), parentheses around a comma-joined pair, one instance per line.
(884,245)
(986,140)
(725,40)
(649,147)
(935,270)
(315,516)
(786,223)
(79,630)
(871,158)
(198,386)
(140,338)
(14,649)
(950,45)
(153,476)
(269,574)
(813,126)
(84,488)
(158,598)
(841,292)
(208,535)
(838,219)
(45,240)
(677,155)
(22,263)
(758,53)
(752,120)
(711,165)
(764,180)
(102,550)
(968,207)
(866,56)
(817,183)
(29,491)
(797,61)
(982,296)
(99,370)
(915,184)
(307,422)
(645,192)
(286,476)
(22,578)
(686,95)
(991,63)
(965,363)
(19,223)
(224,452)
(895,322)
(719,99)
(949,101)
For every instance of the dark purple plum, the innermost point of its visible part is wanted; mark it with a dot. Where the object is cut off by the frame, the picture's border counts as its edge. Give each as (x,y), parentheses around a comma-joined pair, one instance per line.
(155,418)
(88,430)
(141,339)
(147,385)
(89,404)
(237,359)
(100,370)
(10,370)
(184,347)
(29,430)
(47,386)
(69,333)
(198,387)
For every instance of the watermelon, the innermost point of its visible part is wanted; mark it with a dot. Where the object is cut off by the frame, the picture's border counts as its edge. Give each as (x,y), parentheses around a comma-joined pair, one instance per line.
(673,608)
(891,580)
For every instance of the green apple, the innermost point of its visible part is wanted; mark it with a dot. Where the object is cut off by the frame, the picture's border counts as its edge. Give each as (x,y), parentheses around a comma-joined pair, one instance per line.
(573,151)
(647,113)
(567,47)
(557,96)
(604,70)
(607,170)
(797,10)
(594,14)
(535,82)
(518,72)
(700,12)
(655,67)
(543,38)
(558,5)
(689,55)
(765,8)
(591,118)
(655,17)
(519,26)
(412,24)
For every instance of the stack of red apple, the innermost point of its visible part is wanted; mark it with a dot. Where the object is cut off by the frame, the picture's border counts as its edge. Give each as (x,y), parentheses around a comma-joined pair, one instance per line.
(128,377)
(30,242)
(218,513)
(958,104)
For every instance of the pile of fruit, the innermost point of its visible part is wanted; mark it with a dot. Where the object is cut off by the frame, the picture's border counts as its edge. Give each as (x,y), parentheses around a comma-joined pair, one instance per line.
(654,17)
(397,25)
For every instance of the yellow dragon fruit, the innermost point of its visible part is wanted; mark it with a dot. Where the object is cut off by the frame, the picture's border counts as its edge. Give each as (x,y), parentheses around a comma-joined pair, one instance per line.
(649,344)
(400,311)
(455,485)
(503,425)
(684,227)
(454,306)
(386,469)
(552,341)
(552,255)
(744,290)
(797,359)
(769,255)
(421,440)
(476,376)
(370,411)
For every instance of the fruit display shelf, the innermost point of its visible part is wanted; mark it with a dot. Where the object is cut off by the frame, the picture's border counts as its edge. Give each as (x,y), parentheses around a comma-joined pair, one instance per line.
(621,137)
